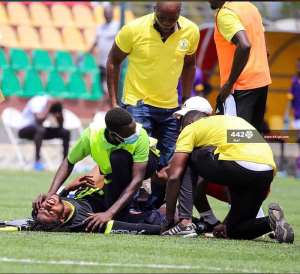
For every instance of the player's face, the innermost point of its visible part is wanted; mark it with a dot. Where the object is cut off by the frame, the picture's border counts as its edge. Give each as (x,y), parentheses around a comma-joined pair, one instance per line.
(51,210)
(166,20)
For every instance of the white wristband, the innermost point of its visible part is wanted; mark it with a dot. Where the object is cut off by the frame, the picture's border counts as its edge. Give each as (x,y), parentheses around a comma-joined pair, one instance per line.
(60,190)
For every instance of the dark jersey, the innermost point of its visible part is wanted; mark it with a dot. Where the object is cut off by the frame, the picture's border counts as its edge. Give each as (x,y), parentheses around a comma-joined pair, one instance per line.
(82,208)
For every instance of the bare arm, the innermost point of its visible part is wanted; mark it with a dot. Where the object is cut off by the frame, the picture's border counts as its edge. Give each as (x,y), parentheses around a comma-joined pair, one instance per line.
(188,75)
(92,179)
(96,220)
(240,60)
(115,58)
(138,171)
(177,167)
(61,175)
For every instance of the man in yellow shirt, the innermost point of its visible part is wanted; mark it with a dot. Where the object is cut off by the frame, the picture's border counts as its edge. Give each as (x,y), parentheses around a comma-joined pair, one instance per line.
(160,48)
(243,63)
(228,151)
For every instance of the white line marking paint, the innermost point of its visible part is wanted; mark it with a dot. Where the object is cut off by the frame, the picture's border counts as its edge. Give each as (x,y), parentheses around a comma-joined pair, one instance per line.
(150,266)
(86,263)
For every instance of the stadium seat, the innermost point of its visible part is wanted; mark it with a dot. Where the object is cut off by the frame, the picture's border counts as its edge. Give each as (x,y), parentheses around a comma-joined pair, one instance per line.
(62,16)
(32,84)
(72,121)
(18,14)
(51,39)
(3,15)
(276,122)
(19,60)
(98,14)
(64,61)
(41,60)
(3,60)
(73,39)
(97,90)
(128,14)
(10,84)
(40,15)
(83,17)
(8,37)
(76,86)
(55,85)
(88,64)
(28,37)
(89,35)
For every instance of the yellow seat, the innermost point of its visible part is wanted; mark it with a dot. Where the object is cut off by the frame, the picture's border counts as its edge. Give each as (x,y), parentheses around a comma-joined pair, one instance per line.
(40,15)
(98,14)
(89,35)
(83,17)
(276,122)
(62,16)
(28,37)
(8,37)
(18,14)
(3,15)
(128,14)
(73,39)
(51,39)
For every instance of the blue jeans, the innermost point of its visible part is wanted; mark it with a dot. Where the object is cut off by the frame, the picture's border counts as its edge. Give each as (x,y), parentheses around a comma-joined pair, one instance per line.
(160,124)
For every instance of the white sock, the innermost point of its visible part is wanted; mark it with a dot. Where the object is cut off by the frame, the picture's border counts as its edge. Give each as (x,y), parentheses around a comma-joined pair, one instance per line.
(260,213)
(209,217)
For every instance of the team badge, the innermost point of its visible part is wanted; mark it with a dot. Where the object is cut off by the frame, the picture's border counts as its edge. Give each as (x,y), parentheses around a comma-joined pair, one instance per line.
(183,44)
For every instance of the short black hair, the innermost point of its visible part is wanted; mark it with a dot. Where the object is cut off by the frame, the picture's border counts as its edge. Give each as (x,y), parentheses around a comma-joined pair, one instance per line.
(116,118)
(56,108)
(192,116)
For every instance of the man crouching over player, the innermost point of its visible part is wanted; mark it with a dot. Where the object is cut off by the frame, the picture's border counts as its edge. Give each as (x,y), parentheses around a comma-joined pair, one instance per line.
(204,148)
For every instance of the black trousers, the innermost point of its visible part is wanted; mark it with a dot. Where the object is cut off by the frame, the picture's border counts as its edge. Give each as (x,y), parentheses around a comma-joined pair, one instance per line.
(38,133)
(121,176)
(251,105)
(248,189)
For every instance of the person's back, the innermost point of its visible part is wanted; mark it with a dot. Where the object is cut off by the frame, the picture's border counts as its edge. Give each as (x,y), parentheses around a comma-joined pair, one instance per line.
(256,72)
(234,138)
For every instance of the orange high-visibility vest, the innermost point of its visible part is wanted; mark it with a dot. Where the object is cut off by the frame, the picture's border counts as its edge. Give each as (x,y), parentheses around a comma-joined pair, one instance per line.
(256,73)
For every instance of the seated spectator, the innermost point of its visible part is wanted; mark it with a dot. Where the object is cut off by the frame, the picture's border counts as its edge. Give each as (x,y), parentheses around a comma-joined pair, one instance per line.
(36,111)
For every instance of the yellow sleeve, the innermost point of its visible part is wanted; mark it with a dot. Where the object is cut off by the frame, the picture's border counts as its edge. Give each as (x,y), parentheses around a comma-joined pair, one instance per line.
(124,39)
(186,140)
(194,42)
(228,23)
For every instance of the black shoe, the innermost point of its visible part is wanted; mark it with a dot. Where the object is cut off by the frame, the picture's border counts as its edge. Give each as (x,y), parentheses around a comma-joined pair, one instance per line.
(203,227)
(283,231)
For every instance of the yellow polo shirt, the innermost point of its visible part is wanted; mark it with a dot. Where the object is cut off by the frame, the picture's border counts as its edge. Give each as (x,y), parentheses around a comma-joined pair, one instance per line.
(154,66)
(228,22)
(212,131)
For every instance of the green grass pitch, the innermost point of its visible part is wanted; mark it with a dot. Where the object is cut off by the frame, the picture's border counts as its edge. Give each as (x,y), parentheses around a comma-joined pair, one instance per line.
(89,253)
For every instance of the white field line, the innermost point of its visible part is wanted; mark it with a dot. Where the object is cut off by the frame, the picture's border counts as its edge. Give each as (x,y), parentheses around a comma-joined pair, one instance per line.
(86,263)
